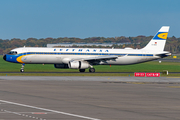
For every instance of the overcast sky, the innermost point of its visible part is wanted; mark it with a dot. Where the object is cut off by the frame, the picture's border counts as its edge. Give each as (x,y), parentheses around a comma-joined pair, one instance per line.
(87,18)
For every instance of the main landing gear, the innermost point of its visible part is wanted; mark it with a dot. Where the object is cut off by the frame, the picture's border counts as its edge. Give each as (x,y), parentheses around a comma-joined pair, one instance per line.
(91,70)
(22,68)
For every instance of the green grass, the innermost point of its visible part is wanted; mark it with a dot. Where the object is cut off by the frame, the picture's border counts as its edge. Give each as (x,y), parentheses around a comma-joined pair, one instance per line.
(153,66)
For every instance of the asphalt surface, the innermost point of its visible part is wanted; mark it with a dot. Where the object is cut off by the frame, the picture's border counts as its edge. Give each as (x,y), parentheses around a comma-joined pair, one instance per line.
(89,98)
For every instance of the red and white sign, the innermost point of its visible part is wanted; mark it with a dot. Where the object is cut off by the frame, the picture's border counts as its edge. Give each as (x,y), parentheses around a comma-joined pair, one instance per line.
(139,74)
(152,74)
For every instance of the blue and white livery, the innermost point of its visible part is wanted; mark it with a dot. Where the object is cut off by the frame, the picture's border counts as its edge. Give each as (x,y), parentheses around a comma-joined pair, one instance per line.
(84,58)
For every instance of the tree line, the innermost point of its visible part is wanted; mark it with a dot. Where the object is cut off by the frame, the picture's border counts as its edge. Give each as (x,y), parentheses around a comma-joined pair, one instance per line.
(172,44)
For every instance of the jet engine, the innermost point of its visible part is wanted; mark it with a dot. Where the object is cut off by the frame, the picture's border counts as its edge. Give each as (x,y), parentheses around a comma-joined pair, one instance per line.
(78,65)
(62,66)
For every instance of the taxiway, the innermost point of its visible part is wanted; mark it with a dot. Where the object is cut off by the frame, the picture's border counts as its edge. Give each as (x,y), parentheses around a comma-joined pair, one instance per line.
(89,98)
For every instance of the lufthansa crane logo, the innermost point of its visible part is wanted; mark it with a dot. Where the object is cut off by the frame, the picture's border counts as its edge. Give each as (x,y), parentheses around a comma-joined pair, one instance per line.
(163,35)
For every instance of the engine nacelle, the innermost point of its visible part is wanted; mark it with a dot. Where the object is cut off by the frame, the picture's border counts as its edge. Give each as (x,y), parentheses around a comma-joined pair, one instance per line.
(78,65)
(62,66)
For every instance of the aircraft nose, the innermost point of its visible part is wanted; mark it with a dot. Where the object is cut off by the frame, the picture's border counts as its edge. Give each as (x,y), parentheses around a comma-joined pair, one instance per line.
(4,57)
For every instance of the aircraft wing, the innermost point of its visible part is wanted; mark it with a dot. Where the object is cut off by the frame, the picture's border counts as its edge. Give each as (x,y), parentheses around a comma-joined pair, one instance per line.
(98,59)
(101,58)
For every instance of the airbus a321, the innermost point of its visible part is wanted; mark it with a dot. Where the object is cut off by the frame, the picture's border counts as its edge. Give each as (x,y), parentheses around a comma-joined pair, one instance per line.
(84,58)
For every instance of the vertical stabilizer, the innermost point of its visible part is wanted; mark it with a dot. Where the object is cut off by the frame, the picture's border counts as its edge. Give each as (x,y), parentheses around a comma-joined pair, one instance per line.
(159,40)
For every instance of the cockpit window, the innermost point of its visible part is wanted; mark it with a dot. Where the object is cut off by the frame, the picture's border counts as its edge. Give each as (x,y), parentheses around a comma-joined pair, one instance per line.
(12,53)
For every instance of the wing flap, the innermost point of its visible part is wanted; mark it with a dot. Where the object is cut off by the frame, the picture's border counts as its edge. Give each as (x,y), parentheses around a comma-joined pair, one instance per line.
(99,58)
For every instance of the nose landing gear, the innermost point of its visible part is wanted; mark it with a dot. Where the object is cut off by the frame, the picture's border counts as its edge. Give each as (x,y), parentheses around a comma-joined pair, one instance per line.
(22,68)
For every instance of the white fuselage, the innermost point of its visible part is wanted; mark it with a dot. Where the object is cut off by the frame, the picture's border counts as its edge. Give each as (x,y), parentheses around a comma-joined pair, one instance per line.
(32,55)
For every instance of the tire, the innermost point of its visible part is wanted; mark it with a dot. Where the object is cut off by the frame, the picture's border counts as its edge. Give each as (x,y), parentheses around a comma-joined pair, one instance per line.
(22,70)
(92,70)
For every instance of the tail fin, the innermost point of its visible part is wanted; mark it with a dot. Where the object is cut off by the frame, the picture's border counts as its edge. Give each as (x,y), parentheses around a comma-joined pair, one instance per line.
(159,40)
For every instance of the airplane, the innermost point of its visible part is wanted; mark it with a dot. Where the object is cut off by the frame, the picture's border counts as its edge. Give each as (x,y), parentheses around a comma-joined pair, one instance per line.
(84,58)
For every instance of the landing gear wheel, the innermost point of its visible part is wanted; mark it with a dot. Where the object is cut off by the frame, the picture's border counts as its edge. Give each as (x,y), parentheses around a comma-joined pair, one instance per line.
(92,70)
(81,70)
(22,70)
